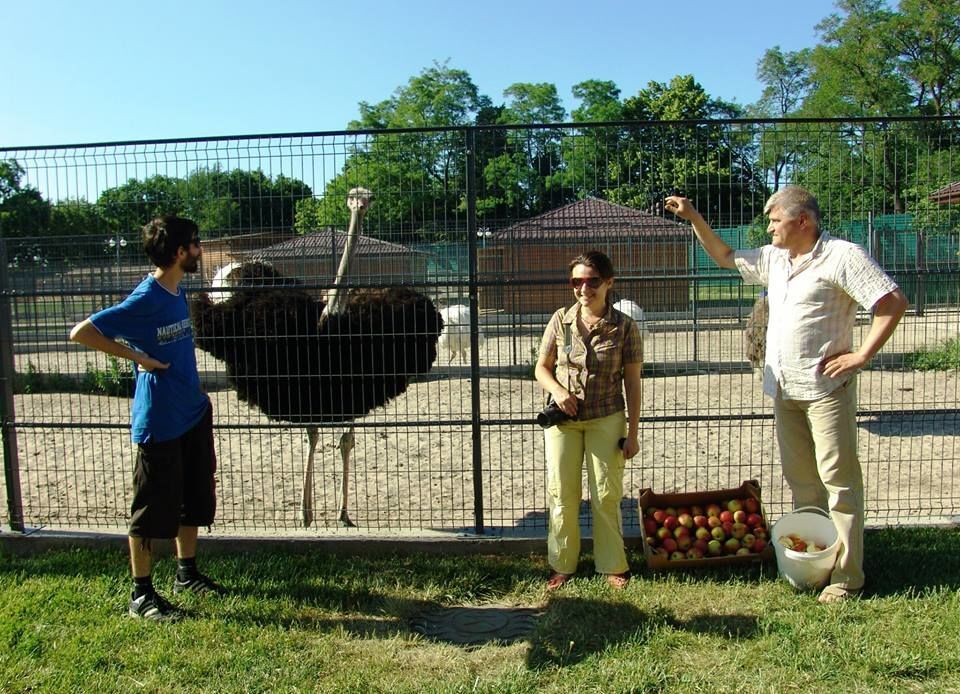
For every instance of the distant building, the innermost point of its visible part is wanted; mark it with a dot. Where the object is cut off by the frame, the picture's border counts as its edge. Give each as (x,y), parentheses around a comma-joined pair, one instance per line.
(314,257)
(947,195)
(640,244)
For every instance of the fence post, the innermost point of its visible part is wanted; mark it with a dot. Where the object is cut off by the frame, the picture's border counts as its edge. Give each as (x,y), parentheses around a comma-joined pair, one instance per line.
(8,431)
(471,192)
(921,295)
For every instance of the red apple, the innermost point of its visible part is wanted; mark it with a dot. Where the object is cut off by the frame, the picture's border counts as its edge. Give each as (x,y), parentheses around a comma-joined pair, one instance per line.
(739,530)
(670,522)
(751,505)
(681,531)
(669,544)
(700,520)
(702,534)
(663,533)
(714,521)
(659,514)
(650,510)
(685,519)
(754,519)
(683,509)
(727,528)
(726,516)
(694,553)
(684,543)
(748,540)
(661,552)
(650,526)
(740,516)
(759,545)
(713,509)
(701,544)
(760,533)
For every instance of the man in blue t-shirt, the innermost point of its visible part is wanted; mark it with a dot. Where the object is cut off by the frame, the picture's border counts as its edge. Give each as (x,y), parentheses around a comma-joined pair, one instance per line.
(171,419)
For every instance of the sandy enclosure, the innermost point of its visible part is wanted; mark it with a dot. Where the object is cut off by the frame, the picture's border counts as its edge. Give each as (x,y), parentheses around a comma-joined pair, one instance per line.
(415,459)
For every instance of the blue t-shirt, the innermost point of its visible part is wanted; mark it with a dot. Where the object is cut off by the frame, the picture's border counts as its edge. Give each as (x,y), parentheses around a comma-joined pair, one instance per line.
(167,402)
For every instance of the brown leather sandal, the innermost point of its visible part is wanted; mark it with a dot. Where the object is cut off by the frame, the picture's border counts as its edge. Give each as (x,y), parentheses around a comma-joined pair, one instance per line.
(557,580)
(618,581)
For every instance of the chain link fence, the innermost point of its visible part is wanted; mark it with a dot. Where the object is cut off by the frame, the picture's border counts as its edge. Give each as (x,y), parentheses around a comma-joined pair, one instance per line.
(485,219)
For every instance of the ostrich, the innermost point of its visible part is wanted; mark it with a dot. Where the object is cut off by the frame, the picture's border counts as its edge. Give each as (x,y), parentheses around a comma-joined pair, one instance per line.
(456,331)
(306,361)
(755,332)
(633,310)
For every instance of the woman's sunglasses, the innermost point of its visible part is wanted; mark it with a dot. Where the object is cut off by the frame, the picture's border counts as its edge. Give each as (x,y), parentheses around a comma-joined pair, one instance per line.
(592,282)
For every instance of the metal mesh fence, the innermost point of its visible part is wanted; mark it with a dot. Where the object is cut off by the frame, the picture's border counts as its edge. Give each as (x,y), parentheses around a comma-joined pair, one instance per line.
(482,221)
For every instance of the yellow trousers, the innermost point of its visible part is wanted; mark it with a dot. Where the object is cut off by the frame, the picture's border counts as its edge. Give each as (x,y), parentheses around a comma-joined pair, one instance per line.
(568,445)
(818,451)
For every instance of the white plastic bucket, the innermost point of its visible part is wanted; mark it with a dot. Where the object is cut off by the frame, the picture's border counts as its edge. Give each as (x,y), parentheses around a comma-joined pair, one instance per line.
(806,570)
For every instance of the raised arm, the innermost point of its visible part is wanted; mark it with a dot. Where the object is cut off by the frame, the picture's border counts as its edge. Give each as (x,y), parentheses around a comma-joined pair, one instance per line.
(715,247)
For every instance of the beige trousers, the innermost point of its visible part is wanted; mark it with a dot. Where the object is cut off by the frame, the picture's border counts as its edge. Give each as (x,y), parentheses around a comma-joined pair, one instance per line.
(818,450)
(567,447)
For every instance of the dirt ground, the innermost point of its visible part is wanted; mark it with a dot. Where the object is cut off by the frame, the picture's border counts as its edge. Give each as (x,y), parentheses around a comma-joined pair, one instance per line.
(414,460)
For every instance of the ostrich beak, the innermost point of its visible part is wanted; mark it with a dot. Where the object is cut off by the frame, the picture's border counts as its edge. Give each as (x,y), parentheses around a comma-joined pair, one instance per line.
(359,199)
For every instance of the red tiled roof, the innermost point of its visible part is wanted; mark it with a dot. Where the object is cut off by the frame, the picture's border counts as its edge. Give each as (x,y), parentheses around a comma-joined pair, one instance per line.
(947,194)
(592,217)
(319,243)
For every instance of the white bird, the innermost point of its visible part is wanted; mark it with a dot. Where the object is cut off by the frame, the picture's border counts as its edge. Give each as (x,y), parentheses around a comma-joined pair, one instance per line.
(456,331)
(222,279)
(633,310)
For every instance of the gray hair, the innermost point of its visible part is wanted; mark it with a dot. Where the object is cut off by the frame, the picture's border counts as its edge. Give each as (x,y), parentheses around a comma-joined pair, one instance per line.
(794,200)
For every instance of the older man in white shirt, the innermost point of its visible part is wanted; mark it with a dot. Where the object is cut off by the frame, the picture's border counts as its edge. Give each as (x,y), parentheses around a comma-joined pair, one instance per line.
(814,284)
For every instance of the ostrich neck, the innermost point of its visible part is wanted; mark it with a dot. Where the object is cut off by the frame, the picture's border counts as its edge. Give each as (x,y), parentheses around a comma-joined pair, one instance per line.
(337,297)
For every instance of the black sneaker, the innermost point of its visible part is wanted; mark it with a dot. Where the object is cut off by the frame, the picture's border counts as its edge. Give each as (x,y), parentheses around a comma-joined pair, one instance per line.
(154,607)
(199,585)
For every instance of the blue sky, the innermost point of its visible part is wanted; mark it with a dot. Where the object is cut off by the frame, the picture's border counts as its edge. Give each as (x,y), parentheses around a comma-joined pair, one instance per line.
(82,72)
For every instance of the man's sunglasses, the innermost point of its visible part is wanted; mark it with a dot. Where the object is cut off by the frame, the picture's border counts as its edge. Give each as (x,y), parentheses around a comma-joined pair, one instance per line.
(592,282)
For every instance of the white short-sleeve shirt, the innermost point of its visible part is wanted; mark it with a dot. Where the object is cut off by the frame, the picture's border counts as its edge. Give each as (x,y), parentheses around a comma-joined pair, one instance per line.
(813,306)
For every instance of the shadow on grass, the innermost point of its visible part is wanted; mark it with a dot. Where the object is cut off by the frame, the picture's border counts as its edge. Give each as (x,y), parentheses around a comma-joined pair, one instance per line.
(905,561)
(573,629)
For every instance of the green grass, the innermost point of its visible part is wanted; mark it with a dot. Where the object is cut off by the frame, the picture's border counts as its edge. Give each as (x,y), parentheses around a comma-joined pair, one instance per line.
(945,357)
(323,622)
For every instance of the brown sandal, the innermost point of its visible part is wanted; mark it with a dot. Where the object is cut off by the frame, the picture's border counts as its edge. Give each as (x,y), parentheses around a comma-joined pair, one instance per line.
(557,580)
(837,593)
(618,581)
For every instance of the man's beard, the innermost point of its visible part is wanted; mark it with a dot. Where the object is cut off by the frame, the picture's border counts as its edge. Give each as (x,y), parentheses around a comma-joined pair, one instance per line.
(190,264)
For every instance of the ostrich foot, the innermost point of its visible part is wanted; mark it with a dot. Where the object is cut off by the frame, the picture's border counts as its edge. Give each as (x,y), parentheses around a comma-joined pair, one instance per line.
(345,521)
(306,515)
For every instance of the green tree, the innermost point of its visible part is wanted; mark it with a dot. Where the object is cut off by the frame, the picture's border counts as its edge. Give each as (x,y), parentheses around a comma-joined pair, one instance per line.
(23,211)
(928,37)
(418,178)
(687,155)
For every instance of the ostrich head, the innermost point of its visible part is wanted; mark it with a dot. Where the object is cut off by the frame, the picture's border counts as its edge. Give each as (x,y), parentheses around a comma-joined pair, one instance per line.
(359,201)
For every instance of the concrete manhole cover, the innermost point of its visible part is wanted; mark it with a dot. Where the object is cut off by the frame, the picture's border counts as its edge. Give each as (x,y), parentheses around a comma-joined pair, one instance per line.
(475,625)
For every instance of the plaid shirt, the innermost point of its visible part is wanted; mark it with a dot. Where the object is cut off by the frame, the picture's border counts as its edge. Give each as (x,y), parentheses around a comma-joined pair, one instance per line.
(813,306)
(593,370)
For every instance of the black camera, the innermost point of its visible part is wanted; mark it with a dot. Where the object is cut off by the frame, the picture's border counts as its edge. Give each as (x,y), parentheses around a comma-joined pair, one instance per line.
(552,414)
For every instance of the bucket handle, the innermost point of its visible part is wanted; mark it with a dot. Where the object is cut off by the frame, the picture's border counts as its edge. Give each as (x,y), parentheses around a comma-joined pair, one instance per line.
(812,508)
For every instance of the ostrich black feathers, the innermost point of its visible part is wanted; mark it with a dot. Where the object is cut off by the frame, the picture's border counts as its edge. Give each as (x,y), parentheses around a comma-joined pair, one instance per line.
(284,360)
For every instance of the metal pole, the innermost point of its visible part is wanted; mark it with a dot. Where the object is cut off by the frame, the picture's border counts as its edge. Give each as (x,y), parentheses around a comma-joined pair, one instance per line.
(11,461)
(471,191)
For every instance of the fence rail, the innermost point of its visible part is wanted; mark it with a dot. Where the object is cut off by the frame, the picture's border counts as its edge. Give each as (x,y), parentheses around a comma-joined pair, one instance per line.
(485,217)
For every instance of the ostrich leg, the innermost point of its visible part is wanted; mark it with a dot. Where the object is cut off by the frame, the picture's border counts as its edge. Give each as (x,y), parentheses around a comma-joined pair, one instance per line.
(306,503)
(345,446)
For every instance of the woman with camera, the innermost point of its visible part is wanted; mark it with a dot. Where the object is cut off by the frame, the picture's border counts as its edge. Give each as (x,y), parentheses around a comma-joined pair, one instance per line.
(590,354)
